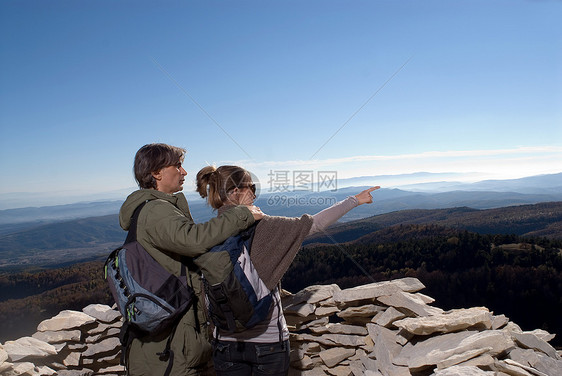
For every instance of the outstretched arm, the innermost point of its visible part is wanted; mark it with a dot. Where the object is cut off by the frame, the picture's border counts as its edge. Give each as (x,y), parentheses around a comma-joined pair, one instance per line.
(330,215)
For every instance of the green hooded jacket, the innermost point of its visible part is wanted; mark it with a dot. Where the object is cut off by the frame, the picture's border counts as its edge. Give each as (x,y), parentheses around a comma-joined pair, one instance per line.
(166,230)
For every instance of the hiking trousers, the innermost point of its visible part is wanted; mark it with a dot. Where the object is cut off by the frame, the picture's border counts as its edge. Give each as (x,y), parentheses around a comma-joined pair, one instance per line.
(251,358)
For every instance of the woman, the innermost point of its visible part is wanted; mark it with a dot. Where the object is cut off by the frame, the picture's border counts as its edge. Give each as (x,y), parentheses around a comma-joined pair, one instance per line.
(264,348)
(166,230)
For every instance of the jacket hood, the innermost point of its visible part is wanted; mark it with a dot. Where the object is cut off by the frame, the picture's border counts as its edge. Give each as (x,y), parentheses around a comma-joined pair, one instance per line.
(138,197)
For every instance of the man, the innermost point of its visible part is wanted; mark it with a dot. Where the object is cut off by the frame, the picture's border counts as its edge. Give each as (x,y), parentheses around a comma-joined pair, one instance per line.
(166,230)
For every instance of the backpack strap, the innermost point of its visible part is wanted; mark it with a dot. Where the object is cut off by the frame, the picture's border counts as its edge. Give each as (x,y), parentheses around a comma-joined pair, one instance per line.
(127,333)
(168,353)
(132,234)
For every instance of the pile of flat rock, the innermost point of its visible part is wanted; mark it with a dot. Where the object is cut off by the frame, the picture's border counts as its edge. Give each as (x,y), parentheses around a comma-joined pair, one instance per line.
(389,328)
(70,344)
(385,328)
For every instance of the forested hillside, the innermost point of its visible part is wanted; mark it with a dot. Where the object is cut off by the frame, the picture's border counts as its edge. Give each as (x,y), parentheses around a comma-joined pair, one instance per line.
(520,277)
(544,219)
(29,298)
(64,243)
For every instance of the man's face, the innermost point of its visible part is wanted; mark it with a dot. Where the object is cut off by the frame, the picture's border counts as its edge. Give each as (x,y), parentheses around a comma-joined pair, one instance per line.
(170,179)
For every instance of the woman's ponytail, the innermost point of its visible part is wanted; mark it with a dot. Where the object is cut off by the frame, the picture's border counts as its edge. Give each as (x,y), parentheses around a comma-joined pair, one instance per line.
(215,183)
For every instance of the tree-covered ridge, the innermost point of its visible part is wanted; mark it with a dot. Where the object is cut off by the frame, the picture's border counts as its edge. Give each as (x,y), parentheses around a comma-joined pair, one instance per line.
(544,219)
(53,291)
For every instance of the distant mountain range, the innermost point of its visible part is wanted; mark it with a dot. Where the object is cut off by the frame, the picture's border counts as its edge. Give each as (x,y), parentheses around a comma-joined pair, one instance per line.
(61,243)
(67,233)
(482,195)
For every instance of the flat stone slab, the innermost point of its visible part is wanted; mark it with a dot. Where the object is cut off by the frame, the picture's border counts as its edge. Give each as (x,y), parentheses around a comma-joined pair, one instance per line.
(3,354)
(451,321)
(331,340)
(107,345)
(340,329)
(21,369)
(368,310)
(312,294)
(66,320)
(28,347)
(334,356)
(531,341)
(374,290)
(437,349)
(102,313)
(386,349)
(537,360)
(58,336)
(388,317)
(326,311)
(301,310)
(410,302)
(463,371)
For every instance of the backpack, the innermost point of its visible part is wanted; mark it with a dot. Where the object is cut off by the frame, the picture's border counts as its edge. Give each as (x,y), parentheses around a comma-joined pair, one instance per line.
(236,297)
(149,297)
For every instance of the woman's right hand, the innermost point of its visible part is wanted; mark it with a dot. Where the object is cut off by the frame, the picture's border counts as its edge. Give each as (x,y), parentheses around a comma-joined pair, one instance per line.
(256,212)
(365,197)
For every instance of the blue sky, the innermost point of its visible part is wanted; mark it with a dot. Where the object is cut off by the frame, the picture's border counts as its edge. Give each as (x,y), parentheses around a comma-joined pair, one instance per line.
(358,87)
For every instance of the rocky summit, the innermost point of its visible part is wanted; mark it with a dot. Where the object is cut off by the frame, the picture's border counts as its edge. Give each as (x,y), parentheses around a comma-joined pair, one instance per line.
(385,328)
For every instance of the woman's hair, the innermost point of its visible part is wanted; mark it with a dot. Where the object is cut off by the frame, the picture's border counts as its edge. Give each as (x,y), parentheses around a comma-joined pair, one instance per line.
(152,158)
(215,183)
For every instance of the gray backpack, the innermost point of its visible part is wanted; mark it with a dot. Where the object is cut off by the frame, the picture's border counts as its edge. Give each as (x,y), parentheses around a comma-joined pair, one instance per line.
(147,295)
(151,299)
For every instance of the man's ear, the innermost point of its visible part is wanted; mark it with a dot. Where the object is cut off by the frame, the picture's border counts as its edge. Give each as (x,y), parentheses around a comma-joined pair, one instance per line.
(157,175)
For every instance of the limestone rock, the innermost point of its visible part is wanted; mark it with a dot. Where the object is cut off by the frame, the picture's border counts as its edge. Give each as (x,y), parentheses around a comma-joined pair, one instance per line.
(388,317)
(463,357)
(542,334)
(513,369)
(537,360)
(20,369)
(334,356)
(335,340)
(346,329)
(28,347)
(450,321)
(437,349)
(102,312)
(326,311)
(302,310)
(410,302)
(111,370)
(368,310)
(3,354)
(75,372)
(66,320)
(386,349)
(312,294)
(530,341)
(72,359)
(499,321)
(463,371)
(58,336)
(374,290)
(108,345)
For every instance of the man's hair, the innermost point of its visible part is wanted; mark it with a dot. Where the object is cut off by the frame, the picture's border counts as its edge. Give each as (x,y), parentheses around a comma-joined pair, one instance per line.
(152,158)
